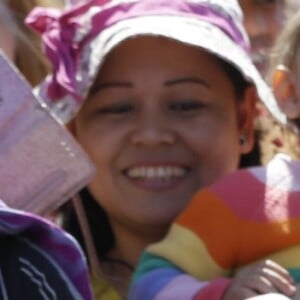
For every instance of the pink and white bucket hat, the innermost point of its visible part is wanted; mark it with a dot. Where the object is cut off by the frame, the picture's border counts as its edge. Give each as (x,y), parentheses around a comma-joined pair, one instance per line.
(78,39)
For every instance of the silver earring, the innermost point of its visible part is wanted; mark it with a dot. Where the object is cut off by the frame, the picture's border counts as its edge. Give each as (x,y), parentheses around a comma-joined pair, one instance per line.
(243,141)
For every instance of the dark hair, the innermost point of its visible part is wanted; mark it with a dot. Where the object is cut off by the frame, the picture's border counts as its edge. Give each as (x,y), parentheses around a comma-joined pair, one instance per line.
(98,222)
(240,85)
(239,82)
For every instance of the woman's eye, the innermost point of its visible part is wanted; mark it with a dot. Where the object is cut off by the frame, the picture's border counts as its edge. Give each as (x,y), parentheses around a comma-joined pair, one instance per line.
(186,106)
(118,109)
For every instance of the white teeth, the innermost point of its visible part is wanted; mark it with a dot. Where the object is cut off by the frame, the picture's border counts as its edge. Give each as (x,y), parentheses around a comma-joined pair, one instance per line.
(161,172)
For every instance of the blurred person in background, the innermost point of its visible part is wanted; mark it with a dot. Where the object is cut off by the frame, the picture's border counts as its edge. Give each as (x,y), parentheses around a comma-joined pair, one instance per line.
(263,20)
(292,7)
(18,42)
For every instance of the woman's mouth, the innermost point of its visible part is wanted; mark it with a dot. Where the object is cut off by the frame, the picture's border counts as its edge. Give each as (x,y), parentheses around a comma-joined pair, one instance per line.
(156,177)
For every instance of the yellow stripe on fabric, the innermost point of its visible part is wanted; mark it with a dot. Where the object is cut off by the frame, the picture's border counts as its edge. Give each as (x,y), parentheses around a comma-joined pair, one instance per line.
(288,258)
(184,249)
(103,290)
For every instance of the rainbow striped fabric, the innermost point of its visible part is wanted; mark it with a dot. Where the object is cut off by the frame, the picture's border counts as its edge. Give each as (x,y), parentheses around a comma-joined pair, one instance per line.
(247,216)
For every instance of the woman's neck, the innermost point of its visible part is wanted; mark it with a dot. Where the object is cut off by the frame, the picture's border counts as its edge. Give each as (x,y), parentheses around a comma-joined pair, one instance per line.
(129,244)
(122,259)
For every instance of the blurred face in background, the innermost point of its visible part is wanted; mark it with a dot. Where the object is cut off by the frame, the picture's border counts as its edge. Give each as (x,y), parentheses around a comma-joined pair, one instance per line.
(263,20)
(7,42)
(7,28)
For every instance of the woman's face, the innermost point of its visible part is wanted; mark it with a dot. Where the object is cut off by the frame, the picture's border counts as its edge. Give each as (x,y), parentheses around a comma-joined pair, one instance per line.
(161,122)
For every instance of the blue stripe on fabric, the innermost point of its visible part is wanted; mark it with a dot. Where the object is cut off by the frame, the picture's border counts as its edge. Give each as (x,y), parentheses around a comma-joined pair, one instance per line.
(147,287)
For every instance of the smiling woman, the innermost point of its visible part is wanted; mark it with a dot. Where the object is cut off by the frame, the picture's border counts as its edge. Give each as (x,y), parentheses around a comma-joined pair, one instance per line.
(153,104)
(161,95)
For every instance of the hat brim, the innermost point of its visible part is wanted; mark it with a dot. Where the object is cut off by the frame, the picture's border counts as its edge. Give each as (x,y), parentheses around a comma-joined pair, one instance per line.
(186,30)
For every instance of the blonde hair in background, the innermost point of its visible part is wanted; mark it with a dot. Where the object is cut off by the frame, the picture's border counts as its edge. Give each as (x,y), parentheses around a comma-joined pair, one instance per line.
(6,19)
(29,57)
(286,46)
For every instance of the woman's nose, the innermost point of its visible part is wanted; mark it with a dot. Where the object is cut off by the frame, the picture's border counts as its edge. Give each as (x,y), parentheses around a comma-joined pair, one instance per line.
(152,132)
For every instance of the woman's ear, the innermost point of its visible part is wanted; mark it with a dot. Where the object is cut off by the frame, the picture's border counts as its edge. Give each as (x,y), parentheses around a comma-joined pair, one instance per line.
(285,93)
(247,113)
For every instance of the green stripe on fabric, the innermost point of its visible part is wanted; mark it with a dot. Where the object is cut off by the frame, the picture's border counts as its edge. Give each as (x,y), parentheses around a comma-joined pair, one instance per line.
(149,262)
(295,272)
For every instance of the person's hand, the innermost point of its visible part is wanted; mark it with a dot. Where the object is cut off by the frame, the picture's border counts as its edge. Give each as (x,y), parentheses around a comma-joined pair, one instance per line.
(260,278)
(297,295)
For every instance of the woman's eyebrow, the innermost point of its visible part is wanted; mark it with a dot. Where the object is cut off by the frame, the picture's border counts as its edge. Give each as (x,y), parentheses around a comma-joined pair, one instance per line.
(182,80)
(111,84)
